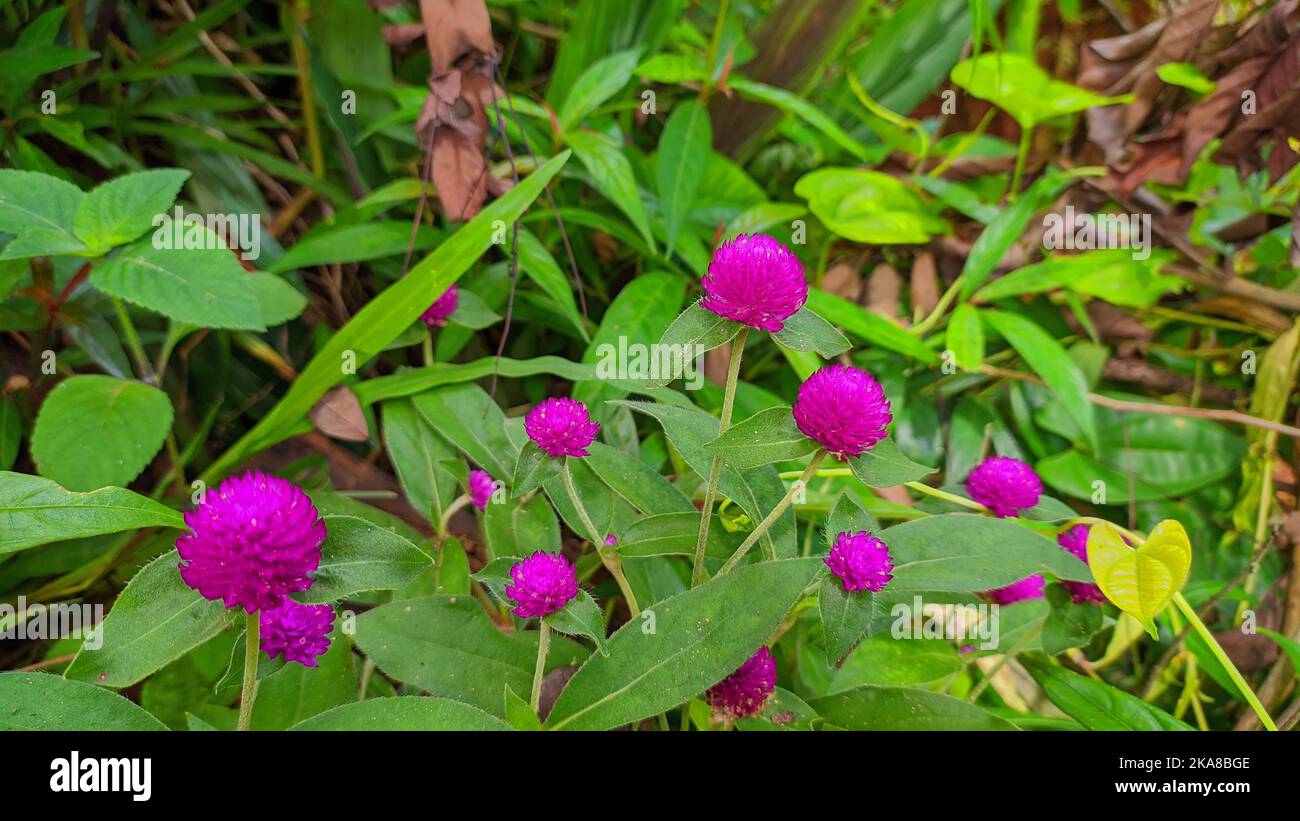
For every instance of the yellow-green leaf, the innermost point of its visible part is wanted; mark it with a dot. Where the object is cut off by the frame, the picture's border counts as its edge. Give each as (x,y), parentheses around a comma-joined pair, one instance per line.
(1140,581)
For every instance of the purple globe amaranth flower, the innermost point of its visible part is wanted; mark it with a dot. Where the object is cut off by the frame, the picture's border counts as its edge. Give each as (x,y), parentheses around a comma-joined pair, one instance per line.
(745,692)
(861,561)
(1004,485)
(297,632)
(481,488)
(844,409)
(1030,587)
(254,540)
(442,308)
(561,427)
(611,540)
(541,584)
(1075,542)
(755,280)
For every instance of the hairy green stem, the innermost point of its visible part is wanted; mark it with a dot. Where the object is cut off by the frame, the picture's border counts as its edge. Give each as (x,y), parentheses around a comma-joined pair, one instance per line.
(1022,154)
(612,561)
(248,694)
(715,471)
(133,343)
(543,644)
(767,523)
(1233,673)
(946,496)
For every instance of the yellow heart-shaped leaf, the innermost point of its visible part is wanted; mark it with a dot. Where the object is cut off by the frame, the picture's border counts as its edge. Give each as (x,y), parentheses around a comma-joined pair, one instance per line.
(1140,581)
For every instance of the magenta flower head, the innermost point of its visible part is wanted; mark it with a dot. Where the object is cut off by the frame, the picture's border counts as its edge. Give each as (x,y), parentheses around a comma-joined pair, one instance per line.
(253,541)
(745,692)
(442,308)
(861,561)
(561,427)
(756,281)
(611,540)
(297,632)
(1027,588)
(541,584)
(844,409)
(1075,542)
(1004,485)
(481,488)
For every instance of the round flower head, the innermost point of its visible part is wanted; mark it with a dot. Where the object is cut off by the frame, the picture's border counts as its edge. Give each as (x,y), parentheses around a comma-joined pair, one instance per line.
(611,540)
(297,632)
(746,691)
(1027,588)
(861,561)
(844,409)
(442,308)
(1004,485)
(253,541)
(755,280)
(481,488)
(1075,542)
(561,427)
(541,584)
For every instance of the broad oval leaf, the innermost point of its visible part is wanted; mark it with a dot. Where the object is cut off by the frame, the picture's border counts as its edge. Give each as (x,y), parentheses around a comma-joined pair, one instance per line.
(1096,704)
(359,556)
(126,421)
(122,209)
(806,331)
(1016,84)
(40,701)
(768,436)
(403,713)
(873,707)
(868,206)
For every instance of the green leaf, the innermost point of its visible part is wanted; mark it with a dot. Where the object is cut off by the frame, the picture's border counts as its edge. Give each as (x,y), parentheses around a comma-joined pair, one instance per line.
(386,316)
(868,206)
(356,243)
(874,328)
(636,482)
(797,106)
(519,713)
(402,713)
(40,701)
(296,692)
(1015,83)
(806,331)
(1052,363)
(123,209)
(903,708)
(600,81)
(1068,624)
(515,528)
(1140,581)
(37,511)
(755,491)
(40,210)
(538,263)
(694,332)
(11,433)
(471,420)
(683,152)
(448,647)
(415,451)
(534,469)
(669,534)
(701,637)
(1009,226)
(278,300)
(965,337)
(201,286)
(359,556)
(964,552)
(581,617)
(126,421)
(611,173)
(1095,704)
(1186,75)
(885,466)
(768,436)
(783,711)
(156,620)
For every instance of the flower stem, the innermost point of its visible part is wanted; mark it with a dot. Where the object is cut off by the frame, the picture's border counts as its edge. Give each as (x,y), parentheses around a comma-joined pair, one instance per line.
(612,561)
(458,503)
(1233,673)
(252,644)
(767,523)
(1022,154)
(715,471)
(543,644)
(946,496)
